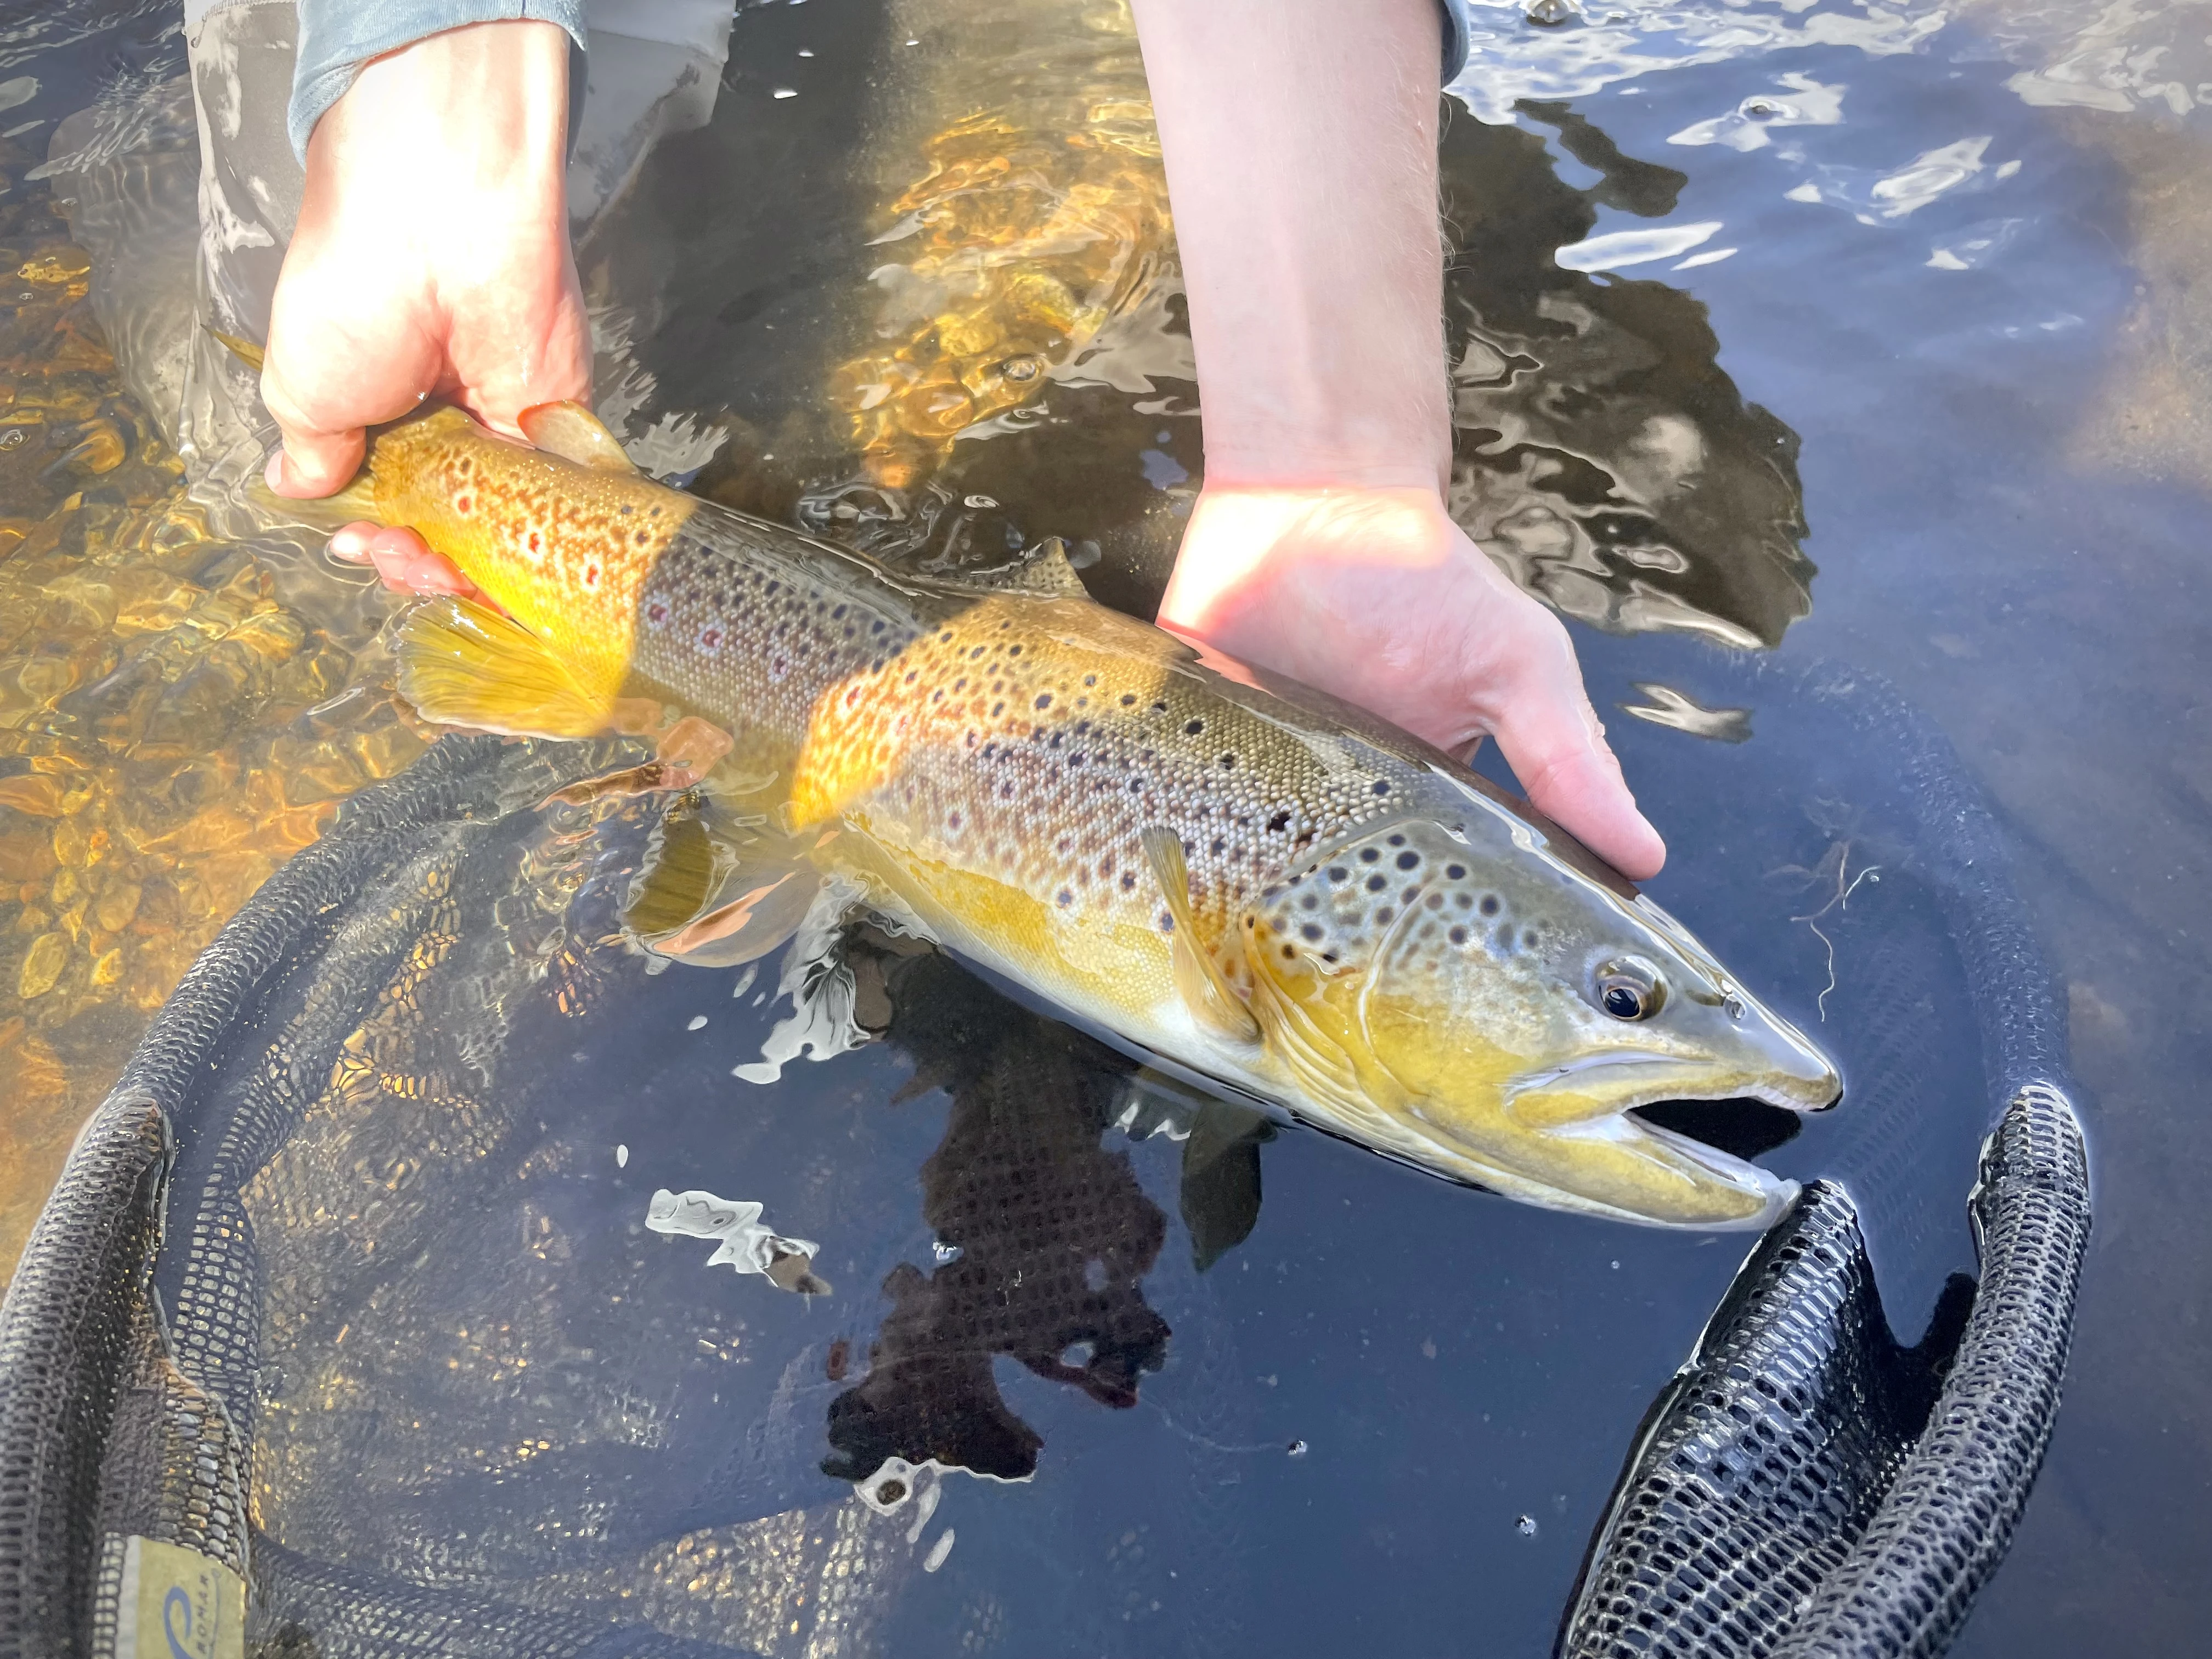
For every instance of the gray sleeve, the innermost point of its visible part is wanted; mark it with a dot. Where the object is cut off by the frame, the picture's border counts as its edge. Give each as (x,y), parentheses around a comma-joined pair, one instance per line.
(1456,41)
(337,37)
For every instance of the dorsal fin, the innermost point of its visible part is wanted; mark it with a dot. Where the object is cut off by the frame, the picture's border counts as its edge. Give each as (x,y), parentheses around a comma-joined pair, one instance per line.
(571,431)
(1205,990)
(1046,571)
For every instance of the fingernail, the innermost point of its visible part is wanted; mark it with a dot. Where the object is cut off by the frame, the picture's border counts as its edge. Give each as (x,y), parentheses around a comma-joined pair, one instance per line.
(273,473)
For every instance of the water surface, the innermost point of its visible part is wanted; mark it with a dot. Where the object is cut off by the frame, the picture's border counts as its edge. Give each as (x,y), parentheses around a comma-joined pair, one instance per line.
(1837,333)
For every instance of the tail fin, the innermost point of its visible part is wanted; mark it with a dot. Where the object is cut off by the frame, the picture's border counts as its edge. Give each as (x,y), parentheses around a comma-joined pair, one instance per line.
(244,350)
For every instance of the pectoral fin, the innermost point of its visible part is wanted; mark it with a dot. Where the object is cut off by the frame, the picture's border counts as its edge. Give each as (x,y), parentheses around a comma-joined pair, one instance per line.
(462,664)
(715,895)
(573,432)
(1221,1178)
(1213,1001)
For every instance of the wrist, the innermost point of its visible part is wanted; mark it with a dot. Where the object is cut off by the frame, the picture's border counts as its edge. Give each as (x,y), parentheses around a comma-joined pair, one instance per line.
(462,133)
(1237,531)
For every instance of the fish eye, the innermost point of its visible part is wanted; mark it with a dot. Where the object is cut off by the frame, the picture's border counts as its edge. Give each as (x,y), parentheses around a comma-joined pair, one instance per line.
(1630,988)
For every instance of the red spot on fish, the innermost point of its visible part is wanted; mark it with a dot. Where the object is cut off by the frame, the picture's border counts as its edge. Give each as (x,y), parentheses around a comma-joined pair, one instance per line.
(656,616)
(592,575)
(710,639)
(463,504)
(840,1356)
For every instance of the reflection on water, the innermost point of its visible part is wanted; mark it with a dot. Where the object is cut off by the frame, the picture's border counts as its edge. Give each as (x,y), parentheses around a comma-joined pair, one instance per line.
(1603,457)
(1052,1237)
(1041,223)
(173,722)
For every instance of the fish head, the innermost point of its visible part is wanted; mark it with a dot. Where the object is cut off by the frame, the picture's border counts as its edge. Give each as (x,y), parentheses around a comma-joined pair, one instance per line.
(1474,993)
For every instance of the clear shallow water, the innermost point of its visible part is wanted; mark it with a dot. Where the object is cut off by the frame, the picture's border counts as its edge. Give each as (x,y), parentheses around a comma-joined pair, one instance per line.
(1984,484)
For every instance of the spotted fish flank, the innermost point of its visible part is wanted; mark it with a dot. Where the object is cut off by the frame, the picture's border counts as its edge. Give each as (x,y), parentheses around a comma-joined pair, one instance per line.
(1260,889)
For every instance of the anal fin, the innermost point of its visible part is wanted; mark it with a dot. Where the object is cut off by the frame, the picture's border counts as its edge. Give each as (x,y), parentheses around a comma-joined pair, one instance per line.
(1205,990)
(717,893)
(571,431)
(463,664)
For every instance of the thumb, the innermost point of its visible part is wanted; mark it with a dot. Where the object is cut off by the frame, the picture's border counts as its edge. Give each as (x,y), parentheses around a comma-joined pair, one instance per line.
(1551,736)
(313,463)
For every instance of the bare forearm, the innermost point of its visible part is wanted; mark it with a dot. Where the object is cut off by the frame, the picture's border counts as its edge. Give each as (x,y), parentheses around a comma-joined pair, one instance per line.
(1300,139)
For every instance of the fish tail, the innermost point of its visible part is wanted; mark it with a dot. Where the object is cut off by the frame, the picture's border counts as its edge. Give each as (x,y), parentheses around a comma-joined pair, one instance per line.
(462,664)
(244,350)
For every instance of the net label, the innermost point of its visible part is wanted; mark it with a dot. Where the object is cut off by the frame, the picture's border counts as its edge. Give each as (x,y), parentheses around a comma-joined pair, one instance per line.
(178,1604)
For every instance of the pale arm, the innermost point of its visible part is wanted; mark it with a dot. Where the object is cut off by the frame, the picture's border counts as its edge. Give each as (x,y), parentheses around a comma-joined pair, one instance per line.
(1300,139)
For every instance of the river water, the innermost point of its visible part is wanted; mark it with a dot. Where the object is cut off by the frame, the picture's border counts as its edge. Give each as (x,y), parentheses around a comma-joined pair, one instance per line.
(1811,332)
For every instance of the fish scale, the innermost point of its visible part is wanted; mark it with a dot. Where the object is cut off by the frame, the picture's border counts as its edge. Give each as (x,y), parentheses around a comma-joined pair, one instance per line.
(1245,882)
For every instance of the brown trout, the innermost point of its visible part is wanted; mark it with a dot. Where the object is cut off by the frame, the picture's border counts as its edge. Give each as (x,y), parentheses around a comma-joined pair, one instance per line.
(1274,894)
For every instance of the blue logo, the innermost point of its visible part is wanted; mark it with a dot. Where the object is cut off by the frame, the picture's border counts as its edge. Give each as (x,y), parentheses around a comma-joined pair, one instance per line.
(174,1602)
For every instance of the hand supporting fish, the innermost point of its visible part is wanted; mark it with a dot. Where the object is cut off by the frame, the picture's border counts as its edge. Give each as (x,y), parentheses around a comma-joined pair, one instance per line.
(1265,890)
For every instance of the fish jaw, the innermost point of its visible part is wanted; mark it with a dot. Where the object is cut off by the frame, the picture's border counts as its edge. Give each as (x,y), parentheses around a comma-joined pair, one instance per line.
(1568,1137)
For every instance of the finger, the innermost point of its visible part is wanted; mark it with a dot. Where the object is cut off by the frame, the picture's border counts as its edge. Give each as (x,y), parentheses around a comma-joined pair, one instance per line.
(403,561)
(1550,738)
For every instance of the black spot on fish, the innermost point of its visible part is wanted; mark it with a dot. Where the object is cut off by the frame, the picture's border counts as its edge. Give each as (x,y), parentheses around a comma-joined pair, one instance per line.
(1229,762)
(1090,679)
(1397,841)
(1382,788)
(1277,823)
(1458,936)
(1490,905)
(1376,883)
(1013,650)
(1338,872)
(1194,727)
(1219,846)
(1065,897)
(1129,699)
(1408,861)
(1456,871)
(1311,901)
(1290,953)
(1044,700)
(1312,931)
(1128,880)
(1528,938)
(1383,915)
(1367,855)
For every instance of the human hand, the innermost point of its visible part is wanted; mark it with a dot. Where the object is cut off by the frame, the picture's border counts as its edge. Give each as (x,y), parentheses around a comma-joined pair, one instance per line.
(1374,595)
(431,257)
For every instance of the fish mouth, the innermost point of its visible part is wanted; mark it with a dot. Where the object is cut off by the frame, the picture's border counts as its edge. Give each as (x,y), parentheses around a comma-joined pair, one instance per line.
(1611,1134)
